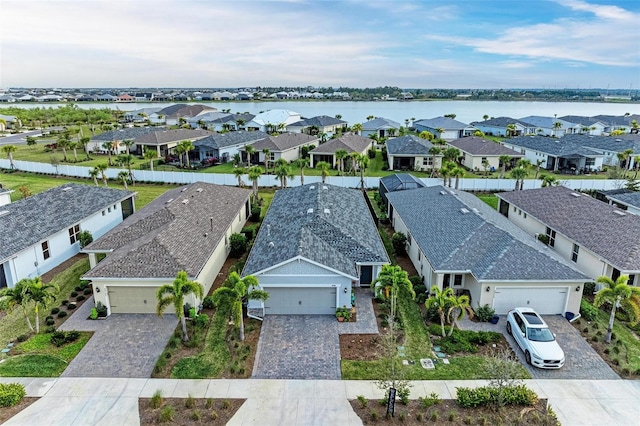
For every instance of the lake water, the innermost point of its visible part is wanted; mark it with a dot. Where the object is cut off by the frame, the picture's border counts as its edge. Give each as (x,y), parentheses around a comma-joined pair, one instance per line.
(357,112)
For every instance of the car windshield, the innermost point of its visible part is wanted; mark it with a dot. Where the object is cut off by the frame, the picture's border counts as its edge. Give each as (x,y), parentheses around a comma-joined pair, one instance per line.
(540,335)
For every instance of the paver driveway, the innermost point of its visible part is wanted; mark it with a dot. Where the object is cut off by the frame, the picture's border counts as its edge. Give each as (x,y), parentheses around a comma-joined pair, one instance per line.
(582,361)
(308,346)
(123,345)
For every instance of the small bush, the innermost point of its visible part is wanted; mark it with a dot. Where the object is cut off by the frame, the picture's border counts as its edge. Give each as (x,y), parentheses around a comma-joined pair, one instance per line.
(430,400)
(62,314)
(209,403)
(202,320)
(72,336)
(491,396)
(55,311)
(238,244)
(48,317)
(50,329)
(485,313)
(11,394)
(434,416)
(588,311)
(214,415)
(22,338)
(80,298)
(74,293)
(589,288)
(50,321)
(419,417)
(226,404)
(399,241)
(166,414)
(196,416)
(64,302)
(94,314)
(255,213)
(156,399)
(87,291)
(71,306)
(452,416)
(374,415)
(207,303)
(58,338)
(403,394)
(363,400)
(78,288)
(190,402)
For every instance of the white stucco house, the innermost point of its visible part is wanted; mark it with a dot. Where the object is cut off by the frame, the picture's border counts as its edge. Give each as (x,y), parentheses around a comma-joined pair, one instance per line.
(457,241)
(444,128)
(599,239)
(316,243)
(269,121)
(185,229)
(475,152)
(40,232)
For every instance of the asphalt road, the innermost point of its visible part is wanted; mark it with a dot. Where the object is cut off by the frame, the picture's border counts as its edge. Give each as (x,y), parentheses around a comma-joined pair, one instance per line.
(19,138)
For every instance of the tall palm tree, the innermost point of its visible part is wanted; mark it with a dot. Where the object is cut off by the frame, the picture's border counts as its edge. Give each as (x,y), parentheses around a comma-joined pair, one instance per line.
(267,158)
(249,150)
(174,294)
(519,173)
(363,161)
(556,126)
(240,123)
(459,305)
(9,150)
(10,298)
(302,163)
(324,168)
(63,143)
(40,294)
(441,301)
(445,172)
(370,117)
(457,172)
(83,143)
(234,293)
(485,117)
(434,151)
(391,282)
(94,173)
(504,160)
(620,295)
(238,172)
(282,172)
(512,130)
(123,177)
(150,155)
(538,165)
(102,168)
(281,127)
(356,128)
(127,144)
(179,151)
(340,155)
(254,174)
(107,146)
(186,147)
(426,135)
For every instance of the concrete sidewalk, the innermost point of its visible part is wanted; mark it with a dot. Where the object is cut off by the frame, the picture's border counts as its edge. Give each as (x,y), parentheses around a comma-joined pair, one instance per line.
(109,401)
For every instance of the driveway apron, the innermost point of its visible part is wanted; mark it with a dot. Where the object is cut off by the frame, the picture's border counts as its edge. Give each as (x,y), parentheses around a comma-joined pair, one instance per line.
(582,361)
(307,346)
(123,345)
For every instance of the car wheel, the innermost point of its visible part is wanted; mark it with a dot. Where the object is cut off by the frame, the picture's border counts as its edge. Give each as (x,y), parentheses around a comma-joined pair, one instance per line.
(527,357)
(509,328)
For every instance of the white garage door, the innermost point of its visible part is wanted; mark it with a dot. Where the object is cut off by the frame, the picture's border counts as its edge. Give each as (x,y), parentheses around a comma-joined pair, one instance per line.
(544,300)
(301,300)
(133,300)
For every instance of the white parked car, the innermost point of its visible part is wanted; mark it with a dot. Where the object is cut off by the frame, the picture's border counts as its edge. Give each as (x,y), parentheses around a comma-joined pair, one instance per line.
(534,338)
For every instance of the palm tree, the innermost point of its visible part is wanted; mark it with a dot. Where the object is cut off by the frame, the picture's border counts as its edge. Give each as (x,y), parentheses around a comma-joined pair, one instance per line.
(179,150)
(340,155)
(234,292)
(457,172)
(267,158)
(10,298)
(549,180)
(102,168)
(238,172)
(83,143)
(249,149)
(186,146)
(442,302)
(107,146)
(445,172)
(254,174)
(556,126)
(40,294)
(485,117)
(519,173)
(362,161)
(439,131)
(451,154)
(63,143)
(538,165)
(620,295)
(302,163)
(504,160)
(391,282)
(9,150)
(282,172)
(324,167)
(174,294)
(434,151)
(426,135)
(150,154)
(370,117)
(512,130)
(123,177)
(356,128)
(459,305)
(127,144)
(281,127)
(239,123)
(94,173)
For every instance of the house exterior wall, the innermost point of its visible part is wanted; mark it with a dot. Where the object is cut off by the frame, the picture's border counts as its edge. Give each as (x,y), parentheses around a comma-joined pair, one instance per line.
(474,162)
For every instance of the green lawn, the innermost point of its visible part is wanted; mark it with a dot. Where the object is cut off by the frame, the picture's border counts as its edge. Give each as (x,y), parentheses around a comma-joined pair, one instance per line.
(490,199)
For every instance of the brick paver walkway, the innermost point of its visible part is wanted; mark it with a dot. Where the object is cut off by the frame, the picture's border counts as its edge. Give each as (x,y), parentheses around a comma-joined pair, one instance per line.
(123,345)
(582,362)
(307,346)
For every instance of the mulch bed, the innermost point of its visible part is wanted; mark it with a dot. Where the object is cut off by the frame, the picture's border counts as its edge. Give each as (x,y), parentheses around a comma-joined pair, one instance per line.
(364,347)
(448,413)
(208,411)
(7,412)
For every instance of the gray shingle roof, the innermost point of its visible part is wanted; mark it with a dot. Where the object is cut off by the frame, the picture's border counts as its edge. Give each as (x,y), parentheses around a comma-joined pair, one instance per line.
(553,146)
(479,240)
(284,141)
(126,133)
(168,235)
(297,223)
(184,110)
(445,123)
(350,143)
(169,136)
(582,120)
(585,220)
(546,122)
(36,218)
(223,140)
(629,198)
(380,123)
(501,122)
(320,121)
(478,146)
(408,145)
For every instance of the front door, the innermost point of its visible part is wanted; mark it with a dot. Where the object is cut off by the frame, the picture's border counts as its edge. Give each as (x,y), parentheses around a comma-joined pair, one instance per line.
(3,278)
(366,274)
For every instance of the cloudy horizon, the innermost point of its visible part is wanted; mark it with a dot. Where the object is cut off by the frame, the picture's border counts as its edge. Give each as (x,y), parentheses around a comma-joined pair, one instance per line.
(555,44)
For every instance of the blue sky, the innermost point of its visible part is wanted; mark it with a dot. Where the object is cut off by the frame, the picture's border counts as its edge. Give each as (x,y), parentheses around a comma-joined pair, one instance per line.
(423,44)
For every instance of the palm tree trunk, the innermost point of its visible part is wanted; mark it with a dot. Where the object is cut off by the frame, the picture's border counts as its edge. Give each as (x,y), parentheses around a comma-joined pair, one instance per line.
(442,324)
(26,316)
(37,321)
(151,164)
(185,337)
(612,317)
(504,170)
(241,326)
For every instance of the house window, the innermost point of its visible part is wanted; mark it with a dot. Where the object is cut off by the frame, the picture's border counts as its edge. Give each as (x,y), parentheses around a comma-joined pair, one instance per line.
(632,279)
(514,209)
(427,161)
(574,254)
(589,162)
(74,233)
(457,280)
(483,160)
(109,209)
(524,215)
(419,255)
(408,238)
(552,236)
(103,212)
(115,207)
(45,250)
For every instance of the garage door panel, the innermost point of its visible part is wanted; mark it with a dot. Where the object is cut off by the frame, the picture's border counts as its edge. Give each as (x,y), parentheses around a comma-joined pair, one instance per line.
(544,300)
(301,300)
(132,300)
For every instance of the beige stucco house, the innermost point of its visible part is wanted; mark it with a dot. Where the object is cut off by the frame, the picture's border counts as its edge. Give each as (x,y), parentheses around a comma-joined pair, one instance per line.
(476,151)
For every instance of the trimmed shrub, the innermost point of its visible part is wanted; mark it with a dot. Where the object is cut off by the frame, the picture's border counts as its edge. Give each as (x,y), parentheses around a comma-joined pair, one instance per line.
(71,306)
(64,302)
(493,396)
(255,213)
(485,313)
(589,288)
(87,291)
(78,288)
(48,317)
(80,298)
(588,311)
(94,314)
(50,321)
(74,293)
(202,320)
(55,311)
(238,244)
(11,394)
(22,338)
(58,338)
(248,233)
(207,303)
(399,241)
(62,314)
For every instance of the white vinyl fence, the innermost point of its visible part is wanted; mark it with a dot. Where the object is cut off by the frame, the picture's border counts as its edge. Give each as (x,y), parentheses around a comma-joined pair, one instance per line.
(476,184)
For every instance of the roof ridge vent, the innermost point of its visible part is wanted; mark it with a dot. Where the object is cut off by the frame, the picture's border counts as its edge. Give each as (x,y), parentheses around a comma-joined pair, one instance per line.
(169,200)
(310,210)
(327,211)
(67,188)
(199,190)
(185,201)
(443,192)
(618,212)
(312,187)
(185,188)
(464,210)
(575,194)
(324,187)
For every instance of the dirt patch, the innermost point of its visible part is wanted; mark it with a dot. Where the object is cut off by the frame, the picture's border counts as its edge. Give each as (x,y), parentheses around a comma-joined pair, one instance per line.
(447,412)
(364,347)
(7,412)
(188,411)
(48,276)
